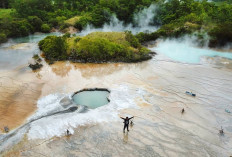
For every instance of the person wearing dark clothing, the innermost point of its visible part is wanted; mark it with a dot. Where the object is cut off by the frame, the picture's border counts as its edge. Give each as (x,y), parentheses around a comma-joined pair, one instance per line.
(126,123)
(6,129)
(182,111)
(67,132)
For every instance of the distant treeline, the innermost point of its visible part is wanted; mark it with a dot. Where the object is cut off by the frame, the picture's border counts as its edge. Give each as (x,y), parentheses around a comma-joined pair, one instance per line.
(175,17)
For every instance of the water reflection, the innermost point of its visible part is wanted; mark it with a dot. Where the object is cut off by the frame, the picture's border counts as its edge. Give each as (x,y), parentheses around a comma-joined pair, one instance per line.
(125,137)
(131,124)
(100,70)
(61,69)
(19,51)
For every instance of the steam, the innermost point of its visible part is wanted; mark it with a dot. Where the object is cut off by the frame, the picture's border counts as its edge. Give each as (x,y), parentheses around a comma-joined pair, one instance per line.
(121,97)
(142,19)
(145,17)
(188,49)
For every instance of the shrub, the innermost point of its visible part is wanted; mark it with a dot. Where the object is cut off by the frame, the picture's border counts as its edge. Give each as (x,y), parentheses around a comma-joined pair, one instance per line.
(53,22)
(64,26)
(77,39)
(45,28)
(35,56)
(144,51)
(3,38)
(72,20)
(106,46)
(100,16)
(134,42)
(143,37)
(82,22)
(54,48)
(99,49)
(67,35)
(221,34)
(20,28)
(35,22)
(60,19)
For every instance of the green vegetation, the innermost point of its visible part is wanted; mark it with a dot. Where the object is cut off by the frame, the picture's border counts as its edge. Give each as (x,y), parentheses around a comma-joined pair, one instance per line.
(72,20)
(3,37)
(36,56)
(36,23)
(221,34)
(95,47)
(180,17)
(6,13)
(174,17)
(45,28)
(54,48)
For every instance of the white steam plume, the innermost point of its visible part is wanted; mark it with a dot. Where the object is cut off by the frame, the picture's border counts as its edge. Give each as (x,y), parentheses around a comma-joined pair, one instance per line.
(187,50)
(143,19)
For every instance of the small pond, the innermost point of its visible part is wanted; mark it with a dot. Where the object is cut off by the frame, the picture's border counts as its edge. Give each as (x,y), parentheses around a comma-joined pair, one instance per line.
(92,98)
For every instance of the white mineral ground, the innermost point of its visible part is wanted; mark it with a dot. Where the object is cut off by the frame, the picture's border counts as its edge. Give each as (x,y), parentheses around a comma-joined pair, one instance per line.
(158,87)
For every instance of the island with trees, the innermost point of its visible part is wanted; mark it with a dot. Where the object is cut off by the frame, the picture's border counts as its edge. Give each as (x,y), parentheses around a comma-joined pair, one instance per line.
(95,47)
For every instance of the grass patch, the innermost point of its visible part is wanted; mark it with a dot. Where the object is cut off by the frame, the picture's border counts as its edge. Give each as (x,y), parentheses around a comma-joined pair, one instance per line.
(72,20)
(6,13)
(117,37)
(107,46)
(71,44)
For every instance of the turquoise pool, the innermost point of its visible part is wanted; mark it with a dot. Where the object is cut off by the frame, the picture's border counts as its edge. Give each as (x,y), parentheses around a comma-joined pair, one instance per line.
(91,99)
(185,53)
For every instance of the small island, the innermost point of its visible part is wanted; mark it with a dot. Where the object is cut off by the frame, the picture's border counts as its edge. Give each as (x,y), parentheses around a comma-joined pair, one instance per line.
(97,47)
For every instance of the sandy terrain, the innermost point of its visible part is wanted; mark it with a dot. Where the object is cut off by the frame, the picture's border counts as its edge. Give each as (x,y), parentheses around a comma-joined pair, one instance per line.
(18,98)
(160,129)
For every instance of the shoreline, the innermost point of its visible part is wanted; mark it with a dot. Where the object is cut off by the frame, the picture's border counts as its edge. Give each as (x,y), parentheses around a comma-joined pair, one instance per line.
(146,58)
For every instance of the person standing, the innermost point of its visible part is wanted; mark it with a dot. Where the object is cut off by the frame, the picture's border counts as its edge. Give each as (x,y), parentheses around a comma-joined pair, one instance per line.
(126,123)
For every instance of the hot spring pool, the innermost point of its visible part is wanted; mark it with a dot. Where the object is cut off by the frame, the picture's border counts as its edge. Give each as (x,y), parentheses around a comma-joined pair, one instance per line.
(92,99)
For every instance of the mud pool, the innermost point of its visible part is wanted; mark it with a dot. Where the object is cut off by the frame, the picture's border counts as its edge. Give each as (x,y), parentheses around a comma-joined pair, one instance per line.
(152,91)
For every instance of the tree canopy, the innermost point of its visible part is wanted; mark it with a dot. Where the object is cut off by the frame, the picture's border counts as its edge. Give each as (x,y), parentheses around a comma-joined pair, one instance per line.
(174,17)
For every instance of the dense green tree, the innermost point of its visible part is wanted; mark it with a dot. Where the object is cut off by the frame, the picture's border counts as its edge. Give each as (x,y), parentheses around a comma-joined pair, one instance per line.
(100,16)
(35,22)
(134,42)
(221,34)
(45,28)
(83,21)
(3,38)
(37,8)
(20,28)
(54,48)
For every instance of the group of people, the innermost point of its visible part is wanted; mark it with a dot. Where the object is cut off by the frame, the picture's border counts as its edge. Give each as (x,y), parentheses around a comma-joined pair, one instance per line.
(127,122)
(221,131)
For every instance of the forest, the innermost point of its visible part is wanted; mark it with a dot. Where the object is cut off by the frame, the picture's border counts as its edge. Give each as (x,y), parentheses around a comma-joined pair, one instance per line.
(173,17)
